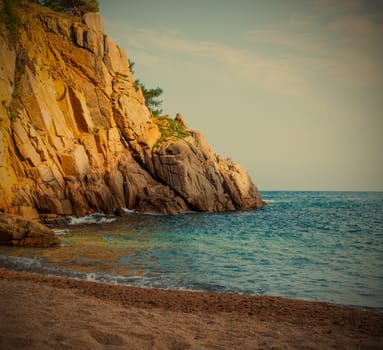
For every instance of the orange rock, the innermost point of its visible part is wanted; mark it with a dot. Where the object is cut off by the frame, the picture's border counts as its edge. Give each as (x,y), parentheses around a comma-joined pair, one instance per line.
(76,136)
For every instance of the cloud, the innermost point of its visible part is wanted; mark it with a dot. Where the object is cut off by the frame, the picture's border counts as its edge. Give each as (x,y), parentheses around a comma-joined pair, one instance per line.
(338,41)
(172,40)
(346,48)
(362,30)
(301,20)
(291,43)
(147,59)
(270,73)
(360,49)
(354,24)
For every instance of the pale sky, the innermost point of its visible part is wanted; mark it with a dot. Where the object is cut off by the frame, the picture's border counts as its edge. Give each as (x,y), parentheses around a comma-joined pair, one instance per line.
(292,90)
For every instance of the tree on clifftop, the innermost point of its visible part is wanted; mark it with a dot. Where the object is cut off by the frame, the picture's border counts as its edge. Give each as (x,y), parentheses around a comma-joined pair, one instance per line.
(151,98)
(76,7)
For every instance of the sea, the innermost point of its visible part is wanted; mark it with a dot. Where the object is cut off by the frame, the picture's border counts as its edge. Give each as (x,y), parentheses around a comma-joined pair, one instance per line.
(322,246)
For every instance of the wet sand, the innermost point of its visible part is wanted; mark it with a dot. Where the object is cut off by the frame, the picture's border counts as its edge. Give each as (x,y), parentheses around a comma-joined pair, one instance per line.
(40,312)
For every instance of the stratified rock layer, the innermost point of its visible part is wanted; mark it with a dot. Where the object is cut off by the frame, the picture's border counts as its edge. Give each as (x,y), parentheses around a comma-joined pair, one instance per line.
(76,136)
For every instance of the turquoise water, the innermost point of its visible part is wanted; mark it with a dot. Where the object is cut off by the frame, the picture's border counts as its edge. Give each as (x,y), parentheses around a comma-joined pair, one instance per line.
(309,245)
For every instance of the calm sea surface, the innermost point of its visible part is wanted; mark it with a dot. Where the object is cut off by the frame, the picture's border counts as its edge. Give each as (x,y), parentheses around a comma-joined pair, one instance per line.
(309,245)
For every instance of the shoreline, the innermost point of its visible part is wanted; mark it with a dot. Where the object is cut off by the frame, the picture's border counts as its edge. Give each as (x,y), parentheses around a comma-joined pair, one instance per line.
(61,281)
(261,320)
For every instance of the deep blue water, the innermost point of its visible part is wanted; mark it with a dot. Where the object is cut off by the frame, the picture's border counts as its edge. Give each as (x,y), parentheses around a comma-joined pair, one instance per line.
(309,245)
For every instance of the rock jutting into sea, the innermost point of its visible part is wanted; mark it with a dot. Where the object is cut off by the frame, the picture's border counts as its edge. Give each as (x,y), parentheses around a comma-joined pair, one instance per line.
(18,231)
(76,136)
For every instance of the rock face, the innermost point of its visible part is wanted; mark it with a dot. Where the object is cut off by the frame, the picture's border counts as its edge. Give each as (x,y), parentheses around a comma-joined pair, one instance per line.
(18,231)
(76,136)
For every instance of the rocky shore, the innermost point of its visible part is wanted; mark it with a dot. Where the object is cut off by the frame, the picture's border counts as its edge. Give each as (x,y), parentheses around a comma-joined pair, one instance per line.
(68,314)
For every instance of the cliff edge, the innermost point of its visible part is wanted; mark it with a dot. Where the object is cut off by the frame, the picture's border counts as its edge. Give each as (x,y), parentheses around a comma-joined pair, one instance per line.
(76,136)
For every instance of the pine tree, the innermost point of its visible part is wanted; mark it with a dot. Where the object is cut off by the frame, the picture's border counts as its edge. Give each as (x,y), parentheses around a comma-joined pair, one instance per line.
(151,98)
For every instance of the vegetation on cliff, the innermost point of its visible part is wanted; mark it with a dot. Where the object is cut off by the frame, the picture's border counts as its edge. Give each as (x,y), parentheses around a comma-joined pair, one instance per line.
(170,128)
(9,14)
(76,7)
(151,98)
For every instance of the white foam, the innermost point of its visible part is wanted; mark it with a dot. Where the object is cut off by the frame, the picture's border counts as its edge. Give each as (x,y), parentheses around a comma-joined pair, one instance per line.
(274,200)
(61,232)
(106,220)
(91,277)
(95,218)
(126,210)
(132,211)
(271,200)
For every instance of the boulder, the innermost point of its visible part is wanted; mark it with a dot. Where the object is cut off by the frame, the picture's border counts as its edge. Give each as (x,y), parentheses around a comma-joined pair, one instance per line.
(19,231)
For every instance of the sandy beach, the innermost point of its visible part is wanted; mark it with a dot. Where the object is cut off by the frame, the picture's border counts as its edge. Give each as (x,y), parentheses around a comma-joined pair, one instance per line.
(40,312)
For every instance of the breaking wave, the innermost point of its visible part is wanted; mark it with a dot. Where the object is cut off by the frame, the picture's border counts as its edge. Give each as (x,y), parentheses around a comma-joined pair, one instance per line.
(96,218)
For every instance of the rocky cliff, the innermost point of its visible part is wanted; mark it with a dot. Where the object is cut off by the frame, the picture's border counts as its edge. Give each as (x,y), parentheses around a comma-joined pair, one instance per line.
(76,136)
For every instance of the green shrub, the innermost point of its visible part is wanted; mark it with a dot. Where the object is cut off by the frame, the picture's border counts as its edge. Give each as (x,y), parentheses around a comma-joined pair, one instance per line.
(170,128)
(75,7)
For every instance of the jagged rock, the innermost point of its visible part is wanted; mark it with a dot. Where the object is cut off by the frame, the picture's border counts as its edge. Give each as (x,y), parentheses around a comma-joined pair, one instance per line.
(238,185)
(78,34)
(94,21)
(180,119)
(93,41)
(195,178)
(75,162)
(116,60)
(18,231)
(76,136)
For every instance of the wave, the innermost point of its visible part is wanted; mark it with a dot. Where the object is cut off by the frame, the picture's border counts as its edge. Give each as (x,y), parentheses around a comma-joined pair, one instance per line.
(268,201)
(128,211)
(61,232)
(272,201)
(132,211)
(96,218)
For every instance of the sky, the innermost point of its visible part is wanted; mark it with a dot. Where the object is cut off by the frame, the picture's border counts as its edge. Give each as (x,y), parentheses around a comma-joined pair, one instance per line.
(291,89)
